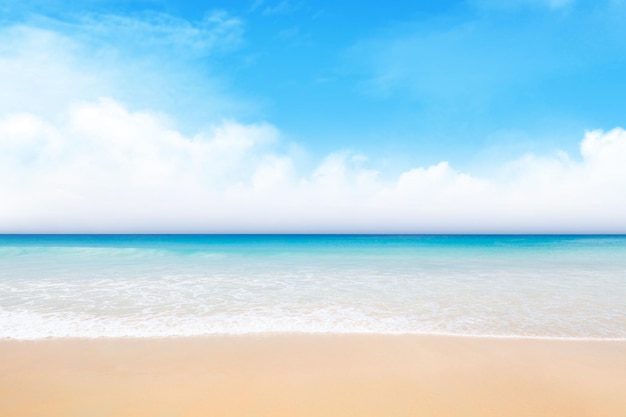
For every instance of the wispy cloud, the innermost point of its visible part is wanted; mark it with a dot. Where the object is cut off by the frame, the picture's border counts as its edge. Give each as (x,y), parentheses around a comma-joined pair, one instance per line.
(149,32)
(515,4)
(146,61)
(214,32)
(294,36)
(281,7)
(483,56)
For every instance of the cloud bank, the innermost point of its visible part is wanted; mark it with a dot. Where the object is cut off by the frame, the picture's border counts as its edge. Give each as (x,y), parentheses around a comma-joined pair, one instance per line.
(105,168)
(88,145)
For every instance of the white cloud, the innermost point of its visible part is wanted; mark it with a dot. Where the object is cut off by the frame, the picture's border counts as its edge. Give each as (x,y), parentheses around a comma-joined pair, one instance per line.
(108,169)
(105,163)
(147,62)
(152,31)
(71,161)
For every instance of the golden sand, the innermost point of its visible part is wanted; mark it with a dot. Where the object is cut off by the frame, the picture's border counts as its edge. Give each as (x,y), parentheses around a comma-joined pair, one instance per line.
(312,375)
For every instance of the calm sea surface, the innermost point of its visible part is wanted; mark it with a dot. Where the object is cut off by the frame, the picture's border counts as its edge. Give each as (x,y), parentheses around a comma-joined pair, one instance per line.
(181,285)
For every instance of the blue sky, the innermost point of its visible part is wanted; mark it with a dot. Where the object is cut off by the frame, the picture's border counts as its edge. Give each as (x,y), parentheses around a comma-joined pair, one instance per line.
(387,88)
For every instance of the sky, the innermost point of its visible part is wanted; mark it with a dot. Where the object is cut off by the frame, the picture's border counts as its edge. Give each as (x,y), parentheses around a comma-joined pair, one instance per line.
(287,116)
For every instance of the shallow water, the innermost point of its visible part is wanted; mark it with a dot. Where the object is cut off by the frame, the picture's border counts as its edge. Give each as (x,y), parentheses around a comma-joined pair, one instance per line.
(181,285)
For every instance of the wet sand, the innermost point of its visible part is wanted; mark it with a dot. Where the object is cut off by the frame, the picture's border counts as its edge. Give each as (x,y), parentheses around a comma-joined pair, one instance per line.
(312,375)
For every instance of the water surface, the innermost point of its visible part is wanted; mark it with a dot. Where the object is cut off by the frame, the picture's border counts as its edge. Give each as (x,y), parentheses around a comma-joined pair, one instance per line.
(182,285)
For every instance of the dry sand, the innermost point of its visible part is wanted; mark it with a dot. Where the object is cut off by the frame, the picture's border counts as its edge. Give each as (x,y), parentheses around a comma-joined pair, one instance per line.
(312,375)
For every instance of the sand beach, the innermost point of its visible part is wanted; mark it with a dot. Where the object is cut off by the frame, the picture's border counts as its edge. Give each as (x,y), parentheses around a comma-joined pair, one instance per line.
(312,375)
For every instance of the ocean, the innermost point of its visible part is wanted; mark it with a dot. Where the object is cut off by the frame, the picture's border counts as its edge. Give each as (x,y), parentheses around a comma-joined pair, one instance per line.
(96,286)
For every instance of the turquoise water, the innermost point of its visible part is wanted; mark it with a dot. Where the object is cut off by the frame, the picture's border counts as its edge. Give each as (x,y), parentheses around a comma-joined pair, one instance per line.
(182,285)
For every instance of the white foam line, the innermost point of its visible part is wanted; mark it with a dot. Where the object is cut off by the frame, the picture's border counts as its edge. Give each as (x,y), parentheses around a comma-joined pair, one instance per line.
(330,333)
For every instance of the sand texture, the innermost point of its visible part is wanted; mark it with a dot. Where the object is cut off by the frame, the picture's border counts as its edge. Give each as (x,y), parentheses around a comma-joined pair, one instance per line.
(312,375)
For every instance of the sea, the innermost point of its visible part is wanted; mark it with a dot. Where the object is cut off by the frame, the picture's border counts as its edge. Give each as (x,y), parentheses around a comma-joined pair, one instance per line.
(101,286)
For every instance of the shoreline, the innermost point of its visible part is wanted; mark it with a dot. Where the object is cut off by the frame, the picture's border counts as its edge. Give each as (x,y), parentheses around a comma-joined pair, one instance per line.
(312,375)
(324,334)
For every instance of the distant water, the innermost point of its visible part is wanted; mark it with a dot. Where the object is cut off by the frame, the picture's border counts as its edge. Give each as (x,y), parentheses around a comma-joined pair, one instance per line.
(182,285)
